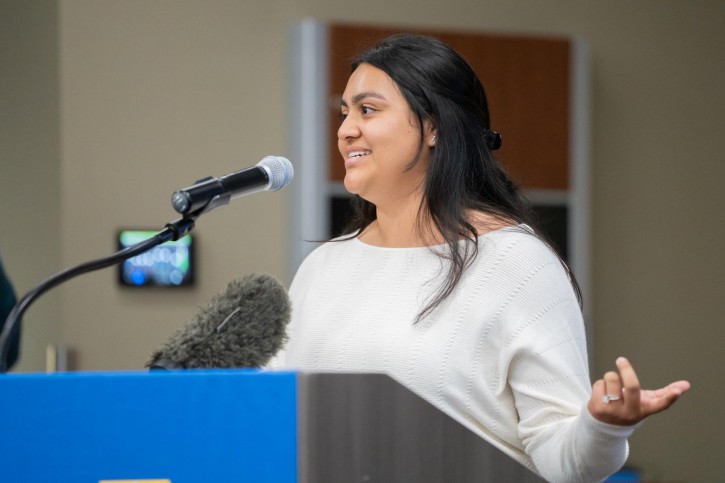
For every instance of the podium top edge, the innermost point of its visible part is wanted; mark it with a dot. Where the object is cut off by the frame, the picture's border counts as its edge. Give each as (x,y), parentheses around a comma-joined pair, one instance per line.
(147,373)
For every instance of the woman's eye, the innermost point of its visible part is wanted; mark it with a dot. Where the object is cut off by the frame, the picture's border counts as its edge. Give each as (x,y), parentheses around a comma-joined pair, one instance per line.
(364,110)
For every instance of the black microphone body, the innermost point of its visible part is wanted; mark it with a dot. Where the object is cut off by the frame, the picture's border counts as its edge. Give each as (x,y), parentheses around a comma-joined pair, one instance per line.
(242,327)
(272,173)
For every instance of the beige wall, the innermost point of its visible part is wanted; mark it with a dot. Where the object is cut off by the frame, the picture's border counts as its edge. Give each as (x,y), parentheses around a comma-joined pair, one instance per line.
(154,94)
(30,233)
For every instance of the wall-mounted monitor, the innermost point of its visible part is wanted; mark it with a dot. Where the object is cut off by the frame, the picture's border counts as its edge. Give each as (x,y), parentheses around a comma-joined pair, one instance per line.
(170,264)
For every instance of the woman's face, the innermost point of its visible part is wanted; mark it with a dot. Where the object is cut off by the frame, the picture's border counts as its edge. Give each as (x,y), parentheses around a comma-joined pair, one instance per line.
(379,138)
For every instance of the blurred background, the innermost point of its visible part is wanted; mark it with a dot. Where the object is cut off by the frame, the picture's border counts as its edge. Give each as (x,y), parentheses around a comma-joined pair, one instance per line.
(108,106)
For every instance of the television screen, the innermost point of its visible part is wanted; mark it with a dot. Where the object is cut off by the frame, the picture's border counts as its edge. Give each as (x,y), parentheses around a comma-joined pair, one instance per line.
(170,264)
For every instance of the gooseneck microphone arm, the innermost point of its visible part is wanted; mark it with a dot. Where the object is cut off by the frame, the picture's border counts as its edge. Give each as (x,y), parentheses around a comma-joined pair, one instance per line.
(172,232)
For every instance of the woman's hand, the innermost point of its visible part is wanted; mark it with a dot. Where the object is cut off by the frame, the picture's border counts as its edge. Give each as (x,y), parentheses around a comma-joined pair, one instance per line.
(618,398)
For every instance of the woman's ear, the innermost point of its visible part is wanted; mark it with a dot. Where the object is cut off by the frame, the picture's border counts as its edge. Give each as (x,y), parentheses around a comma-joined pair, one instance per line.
(430,135)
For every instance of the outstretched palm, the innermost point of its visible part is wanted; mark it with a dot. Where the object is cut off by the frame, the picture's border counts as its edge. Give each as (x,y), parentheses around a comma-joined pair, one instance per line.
(617,398)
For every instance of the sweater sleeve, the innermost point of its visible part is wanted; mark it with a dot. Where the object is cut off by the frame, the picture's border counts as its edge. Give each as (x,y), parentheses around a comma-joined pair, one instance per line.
(544,357)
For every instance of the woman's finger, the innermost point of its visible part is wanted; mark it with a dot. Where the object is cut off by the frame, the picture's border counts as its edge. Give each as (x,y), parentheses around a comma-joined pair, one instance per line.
(630,384)
(612,387)
(661,399)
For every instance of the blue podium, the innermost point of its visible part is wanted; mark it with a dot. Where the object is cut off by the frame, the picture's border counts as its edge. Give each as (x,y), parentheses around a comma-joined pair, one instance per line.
(202,426)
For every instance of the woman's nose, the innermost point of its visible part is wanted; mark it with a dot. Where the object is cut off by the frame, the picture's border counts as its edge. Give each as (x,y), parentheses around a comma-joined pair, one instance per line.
(348,129)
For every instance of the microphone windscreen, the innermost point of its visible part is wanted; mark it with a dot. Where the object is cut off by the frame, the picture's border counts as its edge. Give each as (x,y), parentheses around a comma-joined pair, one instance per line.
(280,171)
(244,327)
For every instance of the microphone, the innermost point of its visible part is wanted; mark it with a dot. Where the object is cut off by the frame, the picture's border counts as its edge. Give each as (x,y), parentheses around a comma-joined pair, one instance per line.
(270,174)
(244,327)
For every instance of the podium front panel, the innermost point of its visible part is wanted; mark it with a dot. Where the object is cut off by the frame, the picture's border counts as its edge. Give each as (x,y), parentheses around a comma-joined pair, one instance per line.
(190,426)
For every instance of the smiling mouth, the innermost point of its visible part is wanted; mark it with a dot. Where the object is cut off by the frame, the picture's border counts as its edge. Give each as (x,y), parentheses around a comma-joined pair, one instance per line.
(358,154)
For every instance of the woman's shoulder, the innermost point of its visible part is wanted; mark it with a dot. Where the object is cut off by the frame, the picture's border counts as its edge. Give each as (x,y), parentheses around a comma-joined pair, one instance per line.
(325,249)
(518,249)
(506,234)
(515,236)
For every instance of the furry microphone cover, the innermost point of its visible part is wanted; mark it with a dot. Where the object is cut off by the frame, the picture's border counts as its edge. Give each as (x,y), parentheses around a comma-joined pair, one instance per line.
(243,327)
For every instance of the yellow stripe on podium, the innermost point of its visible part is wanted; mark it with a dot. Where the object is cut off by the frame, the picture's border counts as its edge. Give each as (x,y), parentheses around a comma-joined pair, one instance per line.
(134,481)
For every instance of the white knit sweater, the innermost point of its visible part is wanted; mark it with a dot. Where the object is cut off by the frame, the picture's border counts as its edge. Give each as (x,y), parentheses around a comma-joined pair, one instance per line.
(504,354)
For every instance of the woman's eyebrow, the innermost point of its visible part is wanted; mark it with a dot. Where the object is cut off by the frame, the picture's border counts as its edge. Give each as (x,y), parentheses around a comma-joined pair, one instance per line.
(362,95)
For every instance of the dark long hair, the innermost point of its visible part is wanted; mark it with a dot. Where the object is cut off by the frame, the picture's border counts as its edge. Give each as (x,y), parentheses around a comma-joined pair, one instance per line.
(463,177)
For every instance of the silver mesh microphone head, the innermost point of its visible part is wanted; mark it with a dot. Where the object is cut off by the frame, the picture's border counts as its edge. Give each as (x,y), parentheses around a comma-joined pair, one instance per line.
(279,170)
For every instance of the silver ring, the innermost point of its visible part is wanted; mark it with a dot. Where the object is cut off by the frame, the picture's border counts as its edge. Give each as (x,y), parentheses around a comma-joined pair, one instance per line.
(610,397)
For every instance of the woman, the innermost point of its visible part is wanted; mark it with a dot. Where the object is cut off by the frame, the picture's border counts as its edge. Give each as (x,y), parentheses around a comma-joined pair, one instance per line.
(442,284)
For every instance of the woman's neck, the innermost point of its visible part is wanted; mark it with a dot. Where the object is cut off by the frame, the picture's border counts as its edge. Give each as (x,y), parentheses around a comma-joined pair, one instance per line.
(401,227)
